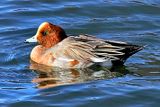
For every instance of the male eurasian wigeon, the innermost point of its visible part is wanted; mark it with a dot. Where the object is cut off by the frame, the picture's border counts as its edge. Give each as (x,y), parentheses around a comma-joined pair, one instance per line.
(59,50)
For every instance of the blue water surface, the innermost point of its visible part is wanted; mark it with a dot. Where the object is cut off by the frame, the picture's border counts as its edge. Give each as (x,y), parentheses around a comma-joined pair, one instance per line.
(24,83)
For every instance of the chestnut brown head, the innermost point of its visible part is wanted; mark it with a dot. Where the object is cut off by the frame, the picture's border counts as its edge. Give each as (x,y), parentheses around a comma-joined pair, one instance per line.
(48,35)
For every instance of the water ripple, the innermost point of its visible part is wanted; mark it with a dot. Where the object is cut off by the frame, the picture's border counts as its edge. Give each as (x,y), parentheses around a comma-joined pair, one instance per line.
(24,83)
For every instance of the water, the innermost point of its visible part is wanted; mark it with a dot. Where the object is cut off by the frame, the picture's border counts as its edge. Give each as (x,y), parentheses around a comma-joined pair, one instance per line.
(27,84)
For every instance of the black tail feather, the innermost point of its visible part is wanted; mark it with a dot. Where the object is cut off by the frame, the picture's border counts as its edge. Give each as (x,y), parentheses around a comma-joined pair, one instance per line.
(129,50)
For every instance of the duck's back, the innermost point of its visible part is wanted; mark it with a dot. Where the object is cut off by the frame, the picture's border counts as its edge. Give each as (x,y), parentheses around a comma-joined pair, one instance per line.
(86,50)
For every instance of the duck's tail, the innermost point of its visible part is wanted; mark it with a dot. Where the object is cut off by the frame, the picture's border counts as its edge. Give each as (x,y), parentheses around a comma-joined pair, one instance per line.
(128,50)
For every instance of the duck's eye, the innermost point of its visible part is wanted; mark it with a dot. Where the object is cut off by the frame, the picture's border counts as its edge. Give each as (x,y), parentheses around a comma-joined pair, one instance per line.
(45,33)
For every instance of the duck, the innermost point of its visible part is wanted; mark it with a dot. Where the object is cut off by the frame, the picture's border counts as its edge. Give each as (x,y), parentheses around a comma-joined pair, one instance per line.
(57,49)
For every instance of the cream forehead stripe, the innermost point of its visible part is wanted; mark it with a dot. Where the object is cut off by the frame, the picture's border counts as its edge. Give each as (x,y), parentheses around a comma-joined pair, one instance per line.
(41,26)
(34,38)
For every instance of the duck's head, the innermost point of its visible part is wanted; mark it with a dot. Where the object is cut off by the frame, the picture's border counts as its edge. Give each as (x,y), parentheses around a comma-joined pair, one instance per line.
(48,35)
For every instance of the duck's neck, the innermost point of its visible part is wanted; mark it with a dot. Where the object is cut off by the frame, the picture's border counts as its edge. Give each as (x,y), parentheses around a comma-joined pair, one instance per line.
(37,53)
(49,42)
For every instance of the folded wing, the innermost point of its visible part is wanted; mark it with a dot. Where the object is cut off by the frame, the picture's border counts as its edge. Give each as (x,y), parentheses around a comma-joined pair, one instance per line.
(88,48)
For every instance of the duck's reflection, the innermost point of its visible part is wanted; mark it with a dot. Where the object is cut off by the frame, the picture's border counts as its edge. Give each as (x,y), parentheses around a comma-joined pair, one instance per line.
(51,77)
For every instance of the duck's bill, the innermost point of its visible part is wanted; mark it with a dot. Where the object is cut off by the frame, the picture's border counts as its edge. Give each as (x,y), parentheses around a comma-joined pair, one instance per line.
(32,39)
